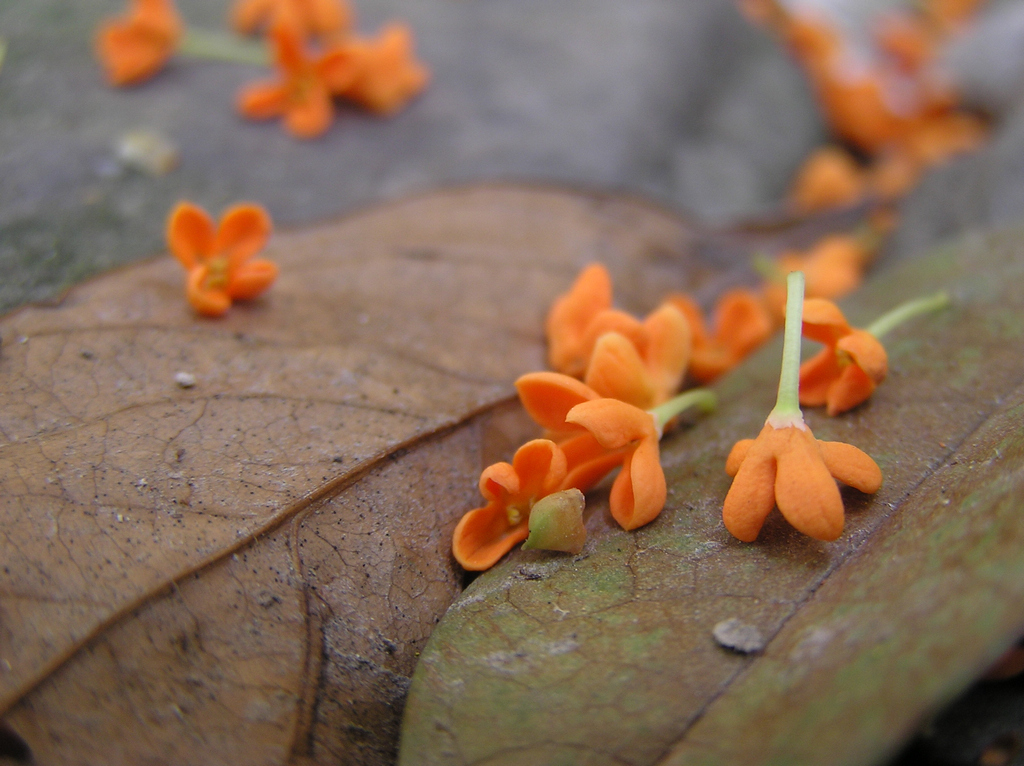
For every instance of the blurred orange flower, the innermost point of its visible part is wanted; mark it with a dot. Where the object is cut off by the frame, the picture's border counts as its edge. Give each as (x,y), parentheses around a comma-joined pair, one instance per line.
(302,95)
(219,261)
(741,325)
(136,46)
(321,18)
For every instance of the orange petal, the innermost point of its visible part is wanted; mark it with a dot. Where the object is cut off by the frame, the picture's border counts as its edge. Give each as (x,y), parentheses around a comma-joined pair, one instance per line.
(639,492)
(242,233)
(190,235)
(616,371)
(737,455)
(867,352)
(742,323)
(694,316)
(613,423)
(851,466)
(130,53)
(287,44)
(666,352)
(252,278)
(540,465)
(852,387)
(570,315)
(805,491)
(612,320)
(499,481)
(829,178)
(484,535)
(710,363)
(817,375)
(262,100)
(587,461)
(752,494)
(341,66)
(392,75)
(548,397)
(329,17)
(211,303)
(823,321)
(247,15)
(312,116)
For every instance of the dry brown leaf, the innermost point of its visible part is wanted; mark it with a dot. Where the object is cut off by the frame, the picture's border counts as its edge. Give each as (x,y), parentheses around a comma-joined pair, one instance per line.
(243,570)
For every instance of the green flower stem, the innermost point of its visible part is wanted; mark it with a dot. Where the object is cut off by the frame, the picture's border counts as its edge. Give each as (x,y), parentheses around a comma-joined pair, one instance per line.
(787,405)
(908,310)
(701,398)
(207,44)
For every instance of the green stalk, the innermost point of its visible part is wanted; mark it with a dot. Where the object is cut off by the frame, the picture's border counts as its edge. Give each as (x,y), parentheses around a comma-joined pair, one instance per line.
(207,44)
(908,310)
(787,412)
(701,398)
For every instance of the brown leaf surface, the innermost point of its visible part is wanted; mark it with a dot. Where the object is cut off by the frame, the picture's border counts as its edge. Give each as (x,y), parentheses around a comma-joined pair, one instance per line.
(244,571)
(609,657)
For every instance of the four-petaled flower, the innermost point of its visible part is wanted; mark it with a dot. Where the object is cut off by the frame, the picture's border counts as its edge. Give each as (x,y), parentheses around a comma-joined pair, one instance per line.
(389,74)
(847,370)
(323,18)
(303,94)
(219,261)
(486,534)
(741,325)
(788,467)
(598,434)
(136,46)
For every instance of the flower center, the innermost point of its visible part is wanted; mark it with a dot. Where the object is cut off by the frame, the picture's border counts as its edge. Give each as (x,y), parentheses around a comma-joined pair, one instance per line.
(516,513)
(217,272)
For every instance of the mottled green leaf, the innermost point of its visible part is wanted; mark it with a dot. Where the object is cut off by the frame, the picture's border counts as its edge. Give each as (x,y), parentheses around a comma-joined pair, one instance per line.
(608,656)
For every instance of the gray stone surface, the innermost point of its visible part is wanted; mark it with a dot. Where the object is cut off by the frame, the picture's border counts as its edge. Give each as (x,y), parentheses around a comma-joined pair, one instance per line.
(596,93)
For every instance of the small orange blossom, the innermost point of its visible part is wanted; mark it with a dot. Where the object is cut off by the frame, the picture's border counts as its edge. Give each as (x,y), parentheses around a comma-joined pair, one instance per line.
(389,74)
(136,46)
(785,465)
(303,93)
(322,18)
(219,261)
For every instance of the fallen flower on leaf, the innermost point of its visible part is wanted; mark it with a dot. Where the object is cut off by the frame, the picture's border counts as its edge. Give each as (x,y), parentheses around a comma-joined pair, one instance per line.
(136,46)
(320,18)
(829,178)
(389,74)
(741,325)
(598,434)
(846,372)
(833,267)
(219,262)
(785,465)
(302,95)
(486,534)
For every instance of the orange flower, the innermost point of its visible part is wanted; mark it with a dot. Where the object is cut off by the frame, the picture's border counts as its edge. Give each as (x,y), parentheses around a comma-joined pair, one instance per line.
(486,534)
(787,466)
(644,371)
(741,324)
(828,178)
(389,74)
(323,18)
(845,372)
(303,94)
(219,262)
(598,434)
(136,46)
(570,317)
(833,267)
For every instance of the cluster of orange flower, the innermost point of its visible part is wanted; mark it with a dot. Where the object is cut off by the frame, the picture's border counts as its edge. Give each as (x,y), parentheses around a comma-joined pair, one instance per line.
(317,55)
(611,395)
(887,101)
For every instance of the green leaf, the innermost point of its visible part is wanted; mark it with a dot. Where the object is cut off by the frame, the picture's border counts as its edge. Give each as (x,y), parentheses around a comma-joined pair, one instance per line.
(609,657)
